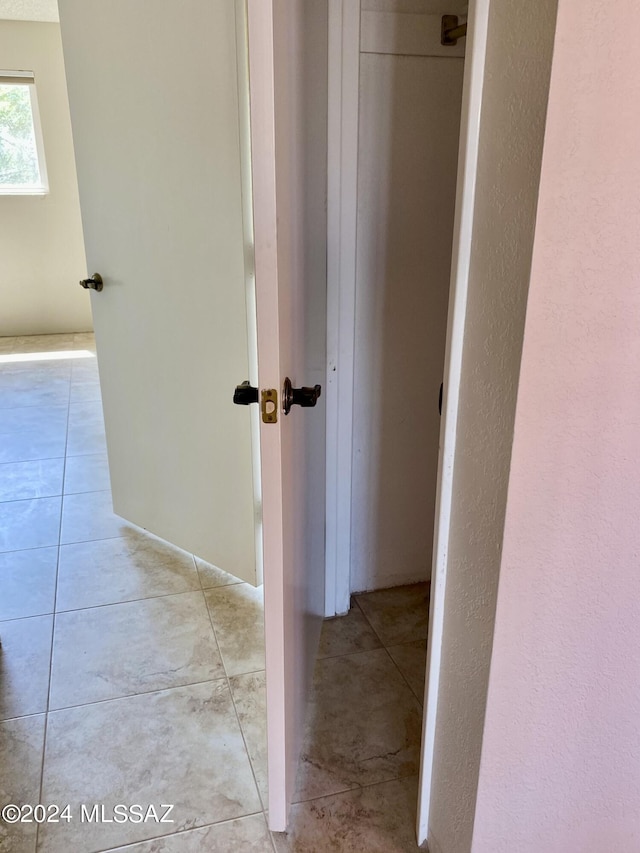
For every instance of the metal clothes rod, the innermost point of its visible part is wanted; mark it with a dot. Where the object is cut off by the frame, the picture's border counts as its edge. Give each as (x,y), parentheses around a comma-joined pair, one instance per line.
(451,31)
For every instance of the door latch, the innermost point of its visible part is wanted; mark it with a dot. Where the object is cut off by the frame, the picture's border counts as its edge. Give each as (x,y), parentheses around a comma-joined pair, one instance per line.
(245,394)
(269,406)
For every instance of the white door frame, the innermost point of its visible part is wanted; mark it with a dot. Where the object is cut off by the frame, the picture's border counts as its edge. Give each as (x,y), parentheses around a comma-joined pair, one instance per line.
(344,58)
(462,237)
(342,200)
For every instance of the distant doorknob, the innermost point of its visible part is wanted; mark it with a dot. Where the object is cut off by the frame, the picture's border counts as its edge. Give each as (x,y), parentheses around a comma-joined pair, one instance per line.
(93,283)
(305,397)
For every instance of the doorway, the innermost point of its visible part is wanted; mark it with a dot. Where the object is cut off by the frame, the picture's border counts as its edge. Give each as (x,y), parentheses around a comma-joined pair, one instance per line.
(389,308)
(410,94)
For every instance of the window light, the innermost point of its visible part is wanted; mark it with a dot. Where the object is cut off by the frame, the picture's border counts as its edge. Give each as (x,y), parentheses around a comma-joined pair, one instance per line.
(22,165)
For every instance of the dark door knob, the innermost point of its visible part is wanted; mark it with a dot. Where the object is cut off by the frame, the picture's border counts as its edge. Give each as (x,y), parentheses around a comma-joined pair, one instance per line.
(93,283)
(305,397)
(245,394)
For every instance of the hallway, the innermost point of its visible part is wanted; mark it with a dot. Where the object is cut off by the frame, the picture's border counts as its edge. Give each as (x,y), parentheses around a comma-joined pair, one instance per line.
(133,673)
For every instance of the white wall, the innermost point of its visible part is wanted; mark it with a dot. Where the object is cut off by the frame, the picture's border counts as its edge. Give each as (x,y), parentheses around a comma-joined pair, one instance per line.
(560,768)
(408,146)
(41,250)
(519,48)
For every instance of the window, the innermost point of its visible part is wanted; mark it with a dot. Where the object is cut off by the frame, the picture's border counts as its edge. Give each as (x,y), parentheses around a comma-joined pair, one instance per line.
(22,166)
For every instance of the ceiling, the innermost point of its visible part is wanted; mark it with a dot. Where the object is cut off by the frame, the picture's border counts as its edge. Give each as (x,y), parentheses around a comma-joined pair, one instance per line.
(29,10)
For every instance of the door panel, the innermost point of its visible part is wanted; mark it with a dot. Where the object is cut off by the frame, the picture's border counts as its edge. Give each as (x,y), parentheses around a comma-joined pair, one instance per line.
(288,62)
(156,93)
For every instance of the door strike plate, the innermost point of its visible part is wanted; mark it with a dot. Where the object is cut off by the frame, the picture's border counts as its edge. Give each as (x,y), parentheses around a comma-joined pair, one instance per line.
(269,406)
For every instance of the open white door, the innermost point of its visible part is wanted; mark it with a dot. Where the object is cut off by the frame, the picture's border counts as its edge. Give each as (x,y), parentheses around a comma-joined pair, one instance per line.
(156,92)
(159,100)
(288,70)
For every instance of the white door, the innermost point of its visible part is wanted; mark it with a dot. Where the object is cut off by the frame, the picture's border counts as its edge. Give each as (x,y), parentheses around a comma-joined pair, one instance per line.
(159,101)
(155,93)
(288,66)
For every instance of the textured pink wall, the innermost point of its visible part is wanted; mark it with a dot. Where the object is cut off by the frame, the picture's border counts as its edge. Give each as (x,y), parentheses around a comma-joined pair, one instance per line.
(560,765)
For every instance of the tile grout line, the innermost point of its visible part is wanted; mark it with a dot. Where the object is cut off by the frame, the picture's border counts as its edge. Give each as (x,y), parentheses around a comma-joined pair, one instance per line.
(64,544)
(53,621)
(233,702)
(59,611)
(235,582)
(404,678)
(367,620)
(27,500)
(135,695)
(26,461)
(356,788)
(131,844)
(386,648)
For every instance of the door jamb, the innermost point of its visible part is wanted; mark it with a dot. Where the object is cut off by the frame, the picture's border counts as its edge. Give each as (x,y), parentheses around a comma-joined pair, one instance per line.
(342,199)
(475,53)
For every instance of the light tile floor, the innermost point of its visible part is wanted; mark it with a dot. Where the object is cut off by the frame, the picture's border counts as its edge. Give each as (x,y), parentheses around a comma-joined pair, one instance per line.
(131,672)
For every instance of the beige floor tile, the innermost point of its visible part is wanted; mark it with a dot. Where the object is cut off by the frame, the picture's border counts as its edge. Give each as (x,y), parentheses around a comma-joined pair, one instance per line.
(43,419)
(345,635)
(44,343)
(24,666)
(85,392)
(134,647)
(244,835)
(211,576)
(33,432)
(36,479)
(237,613)
(87,413)
(84,441)
(29,524)
(90,516)
(411,660)
(7,344)
(23,386)
(363,726)
(377,819)
(88,473)
(27,582)
(84,370)
(113,570)
(21,746)
(250,697)
(398,615)
(31,444)
(86,429)
(84,340)
(181,746)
